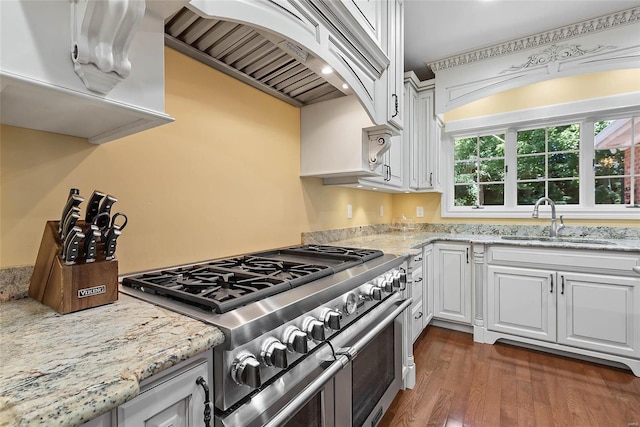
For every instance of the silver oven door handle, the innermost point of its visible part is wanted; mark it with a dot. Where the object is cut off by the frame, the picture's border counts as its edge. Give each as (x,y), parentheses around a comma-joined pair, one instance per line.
(341,361)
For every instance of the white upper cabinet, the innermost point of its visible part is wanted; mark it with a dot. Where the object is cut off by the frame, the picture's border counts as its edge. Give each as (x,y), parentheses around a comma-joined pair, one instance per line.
(99,79)
(422,135)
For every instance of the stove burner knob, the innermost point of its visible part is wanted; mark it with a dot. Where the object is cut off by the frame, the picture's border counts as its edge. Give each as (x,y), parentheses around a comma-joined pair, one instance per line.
(296,340)
(314,329)
(385,284)
(395,277)
(331,319)
(246,371)
(374,293)
(274,353)
(403,277)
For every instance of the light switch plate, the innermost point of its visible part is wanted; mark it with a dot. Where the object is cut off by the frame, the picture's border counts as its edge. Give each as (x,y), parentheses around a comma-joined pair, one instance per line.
(419,212)
(349,211)
(381,210)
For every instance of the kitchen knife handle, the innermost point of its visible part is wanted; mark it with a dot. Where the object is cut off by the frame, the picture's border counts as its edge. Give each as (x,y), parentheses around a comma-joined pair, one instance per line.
(105,207)
(91,243)
(93,207)
(70,221)
(73,201)
(110,243)
(71,246)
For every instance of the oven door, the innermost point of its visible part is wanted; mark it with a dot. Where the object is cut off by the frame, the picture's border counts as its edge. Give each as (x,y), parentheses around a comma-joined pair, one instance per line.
(368,385)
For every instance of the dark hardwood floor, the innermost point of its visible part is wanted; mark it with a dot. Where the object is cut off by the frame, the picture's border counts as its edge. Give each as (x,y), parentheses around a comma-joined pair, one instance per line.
(462,383)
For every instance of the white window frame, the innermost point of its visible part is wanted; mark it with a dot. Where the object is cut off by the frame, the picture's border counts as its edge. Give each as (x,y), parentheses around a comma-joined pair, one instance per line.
(583,112)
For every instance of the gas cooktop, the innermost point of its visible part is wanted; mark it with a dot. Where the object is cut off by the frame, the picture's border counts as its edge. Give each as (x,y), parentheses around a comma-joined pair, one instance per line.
(225,284)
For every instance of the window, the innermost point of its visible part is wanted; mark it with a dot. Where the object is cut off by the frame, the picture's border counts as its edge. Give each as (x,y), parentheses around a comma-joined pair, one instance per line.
(479,171)
(617,161)
(548,164)
(589,166)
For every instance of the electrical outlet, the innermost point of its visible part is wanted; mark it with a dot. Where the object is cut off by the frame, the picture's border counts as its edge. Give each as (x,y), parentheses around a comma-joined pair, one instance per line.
(349,211)
(381,210)
(419,212)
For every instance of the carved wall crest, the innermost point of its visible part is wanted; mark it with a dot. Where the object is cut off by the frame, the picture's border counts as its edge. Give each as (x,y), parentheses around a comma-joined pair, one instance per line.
(555,53)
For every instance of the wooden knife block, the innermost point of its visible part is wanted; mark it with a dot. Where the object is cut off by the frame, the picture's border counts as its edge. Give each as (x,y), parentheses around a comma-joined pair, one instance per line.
(69,288)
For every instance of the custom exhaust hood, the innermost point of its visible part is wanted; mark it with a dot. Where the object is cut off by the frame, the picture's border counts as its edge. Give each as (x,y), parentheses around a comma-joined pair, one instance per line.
(259,58)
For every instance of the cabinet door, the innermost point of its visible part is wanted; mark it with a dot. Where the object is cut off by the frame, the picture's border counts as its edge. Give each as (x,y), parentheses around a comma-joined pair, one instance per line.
(416,320)
(522,302)
(177,402)
(395,51)
(452,282)
(600,313)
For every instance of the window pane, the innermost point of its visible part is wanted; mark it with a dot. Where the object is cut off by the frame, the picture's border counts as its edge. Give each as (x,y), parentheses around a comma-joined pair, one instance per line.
(491,194)
(611,191)
(531,167)
(465,172)
(531,141)
(465,148)
(530,192)
(563,165)
(492,146)
(465,195)
(565,192)
(610,162)
(492,170)
(563,138)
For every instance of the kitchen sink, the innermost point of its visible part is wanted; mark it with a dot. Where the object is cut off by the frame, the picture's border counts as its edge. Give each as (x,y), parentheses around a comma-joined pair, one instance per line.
(558,239)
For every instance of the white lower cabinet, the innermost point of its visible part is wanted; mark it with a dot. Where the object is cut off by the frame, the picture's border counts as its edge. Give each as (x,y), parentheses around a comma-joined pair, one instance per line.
(591,311)
(176,400)
(417,316)
(599,313)
(584,302)
(452,282)
(522,302)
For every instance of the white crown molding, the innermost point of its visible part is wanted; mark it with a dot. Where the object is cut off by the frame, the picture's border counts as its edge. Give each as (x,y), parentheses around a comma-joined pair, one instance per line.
(583,28)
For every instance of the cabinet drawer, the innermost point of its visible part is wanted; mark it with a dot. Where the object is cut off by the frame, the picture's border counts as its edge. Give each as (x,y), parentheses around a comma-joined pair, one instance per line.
(417,285)
(565,259)
(416,320)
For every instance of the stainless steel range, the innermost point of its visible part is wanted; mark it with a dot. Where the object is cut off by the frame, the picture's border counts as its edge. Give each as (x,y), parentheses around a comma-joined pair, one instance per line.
(313,333)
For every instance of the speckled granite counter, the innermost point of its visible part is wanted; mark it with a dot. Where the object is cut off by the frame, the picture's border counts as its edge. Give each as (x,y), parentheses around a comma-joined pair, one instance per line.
(401,243)
(60,370)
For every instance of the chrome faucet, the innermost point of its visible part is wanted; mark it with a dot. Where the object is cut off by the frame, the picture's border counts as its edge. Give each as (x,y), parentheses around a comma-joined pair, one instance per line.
(553,231)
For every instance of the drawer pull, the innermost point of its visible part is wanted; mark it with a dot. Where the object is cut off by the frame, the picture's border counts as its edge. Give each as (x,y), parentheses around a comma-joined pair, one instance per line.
(418,280)
(551,283)
(418,316)
(562,289)
(207,401)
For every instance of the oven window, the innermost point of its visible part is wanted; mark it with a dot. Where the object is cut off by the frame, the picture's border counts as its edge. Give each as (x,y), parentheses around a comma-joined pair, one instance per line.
(372,374)
(310,415)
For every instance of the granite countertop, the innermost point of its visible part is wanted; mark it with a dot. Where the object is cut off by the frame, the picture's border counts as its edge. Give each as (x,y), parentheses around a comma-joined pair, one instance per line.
(63,370)
(405,243)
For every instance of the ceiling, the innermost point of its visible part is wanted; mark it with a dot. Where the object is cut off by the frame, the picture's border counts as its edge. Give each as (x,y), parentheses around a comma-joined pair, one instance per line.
(437,29)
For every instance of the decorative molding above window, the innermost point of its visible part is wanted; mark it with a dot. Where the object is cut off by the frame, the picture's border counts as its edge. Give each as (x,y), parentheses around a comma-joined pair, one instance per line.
(602,44)
(554,36)
(555,53)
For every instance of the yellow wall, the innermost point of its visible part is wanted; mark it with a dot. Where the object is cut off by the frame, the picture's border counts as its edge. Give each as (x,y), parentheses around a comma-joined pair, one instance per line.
(550,92)
(222,179)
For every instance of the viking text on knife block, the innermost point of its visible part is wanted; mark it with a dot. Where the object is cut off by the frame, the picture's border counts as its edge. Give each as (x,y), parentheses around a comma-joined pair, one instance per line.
(69,288)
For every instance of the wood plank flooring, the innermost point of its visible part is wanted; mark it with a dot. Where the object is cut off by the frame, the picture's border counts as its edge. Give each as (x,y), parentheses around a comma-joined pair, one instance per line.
(462,383)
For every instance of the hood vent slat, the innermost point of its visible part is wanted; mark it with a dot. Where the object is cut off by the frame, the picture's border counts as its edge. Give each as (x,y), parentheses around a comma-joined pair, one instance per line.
(244,53)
